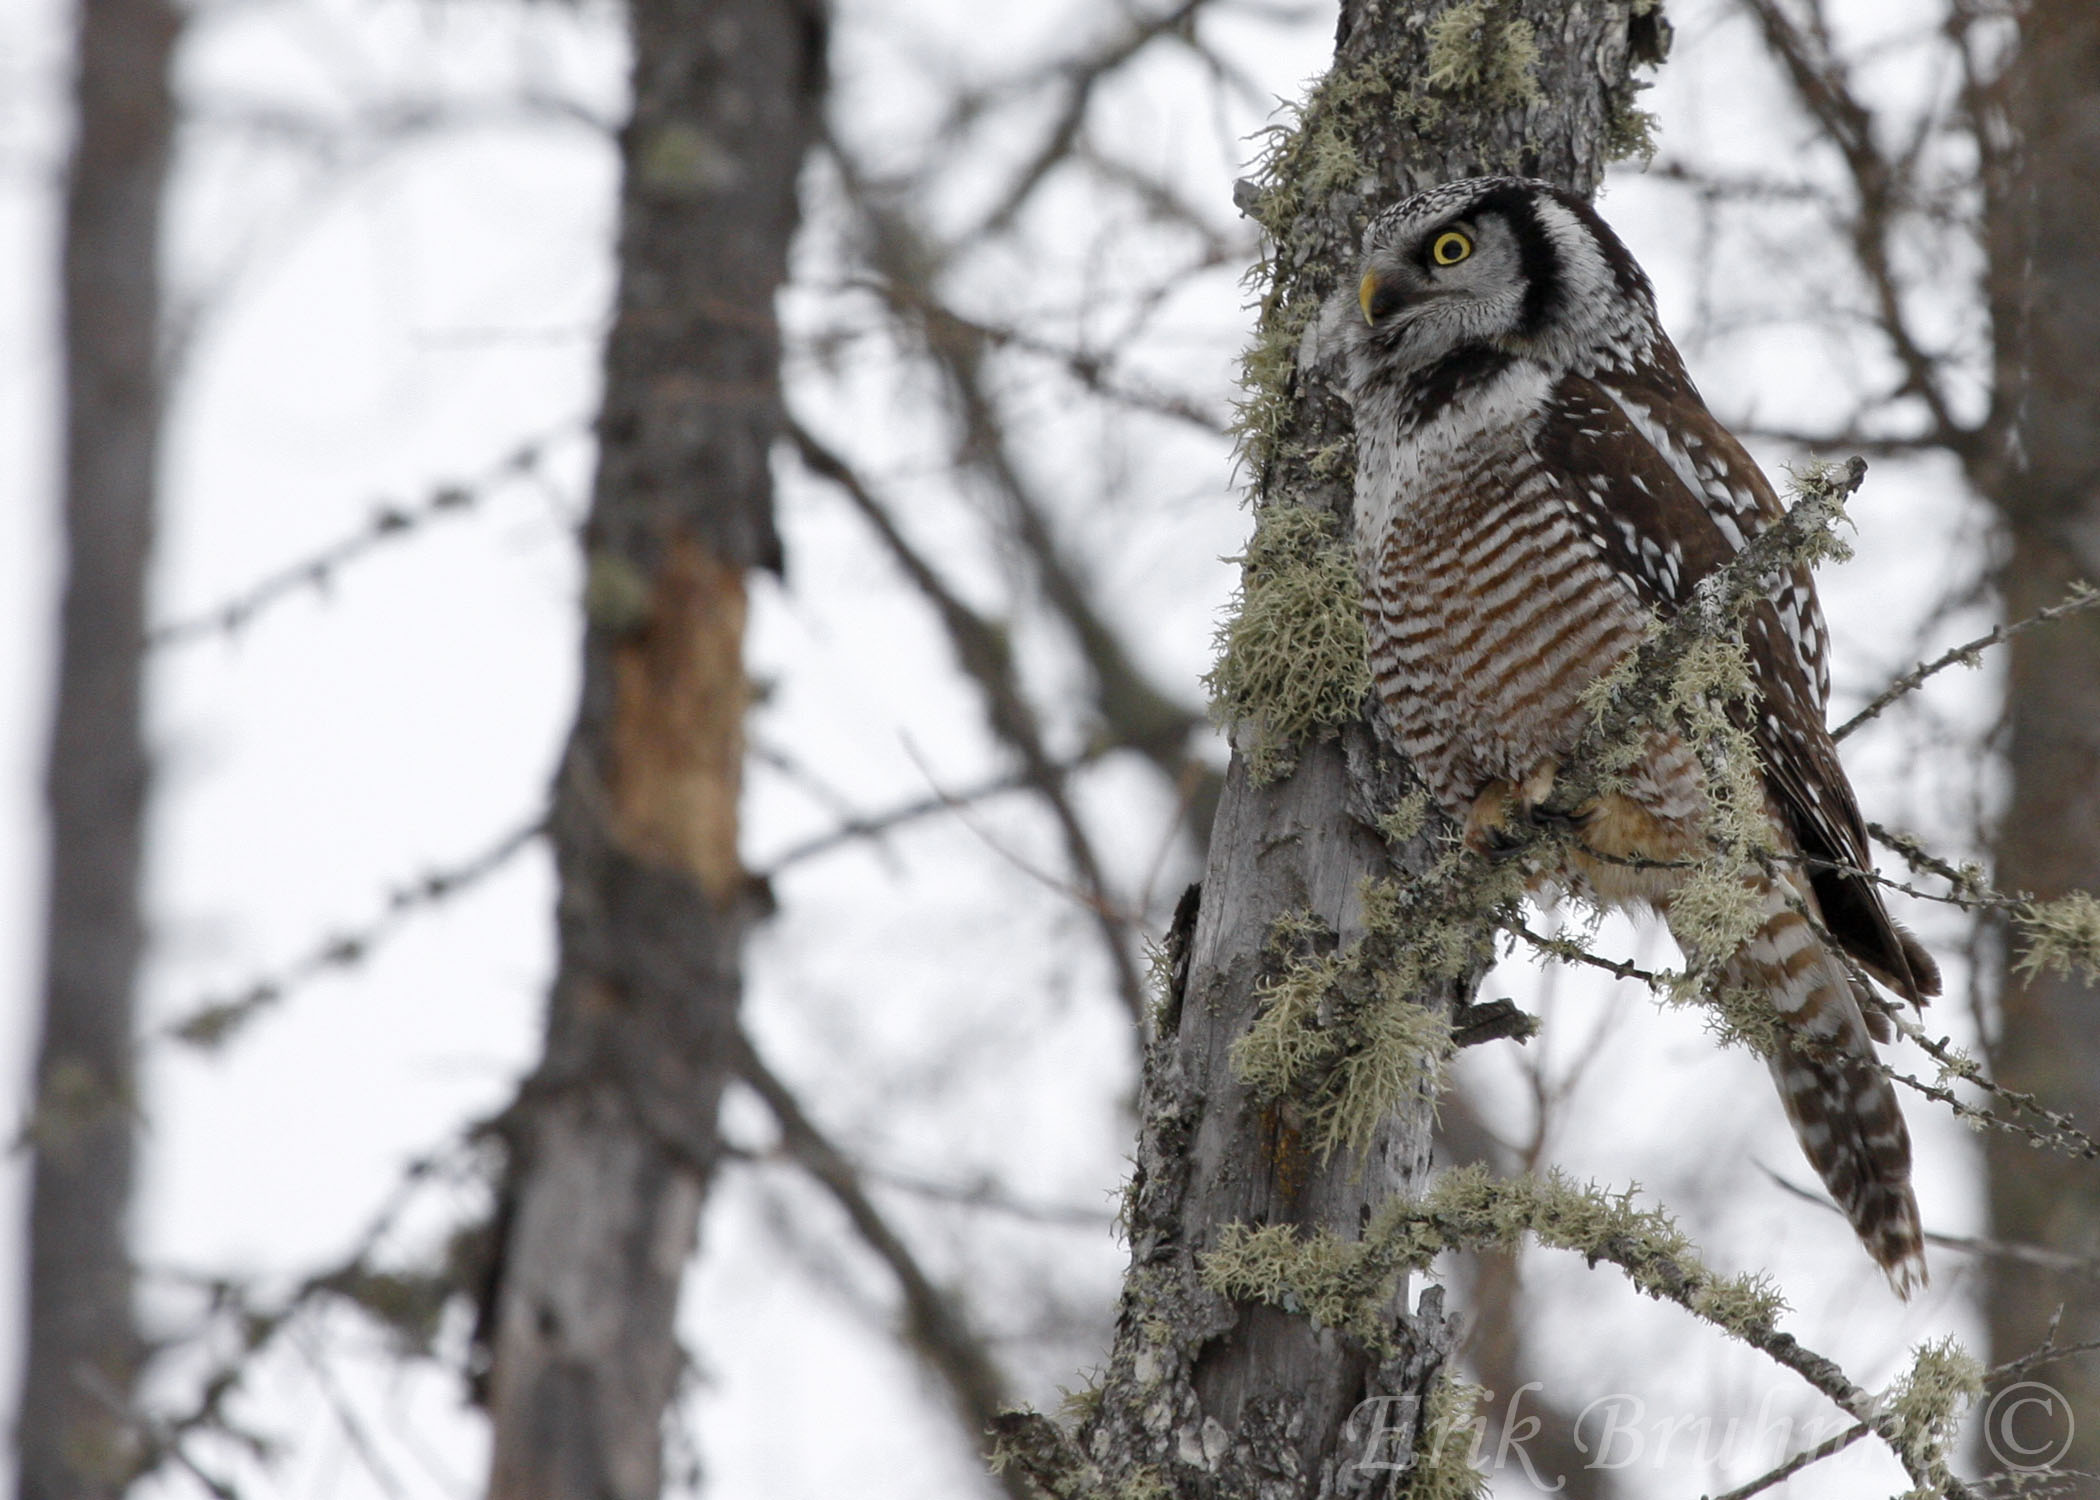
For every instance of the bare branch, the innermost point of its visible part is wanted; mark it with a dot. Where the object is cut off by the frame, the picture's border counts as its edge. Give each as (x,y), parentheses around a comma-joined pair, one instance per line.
(1090,368)
(2060,1132)
(1798,1462)
(1968,1244)
(255,1325)
(388,524)
(1568,951)
(988,1195)
(935,1325)
(1823,87)
(1080,76)
(981,651)
(211,1022)
(875,825)
(355,1434)
(1851,438)
(1133,709)
(1740,187)
(1968,654)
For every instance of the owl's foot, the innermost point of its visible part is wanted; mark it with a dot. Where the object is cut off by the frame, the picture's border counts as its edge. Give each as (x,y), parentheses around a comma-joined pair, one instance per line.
(1493,825)
(1507,818)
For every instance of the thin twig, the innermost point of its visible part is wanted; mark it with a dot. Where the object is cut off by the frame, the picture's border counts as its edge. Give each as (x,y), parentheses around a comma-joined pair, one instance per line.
(255,1327)
(983,1195)
(1798,1462)
(1133,709)
(2063,1133)
(1080,76)
(388,524)
(1567,950)
(1967,1244)
(982,653)
(2081,598)
(353,1427)
(1091,369)
(934,1323)
(1821,84)
(211,1022)
(873,826)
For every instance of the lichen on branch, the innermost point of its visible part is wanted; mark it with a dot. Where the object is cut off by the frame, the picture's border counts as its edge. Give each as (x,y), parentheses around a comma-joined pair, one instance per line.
(1923,1408)
(1292,664)
(1340,1033)
(1477,47)
(2062,937)
(1348,1284)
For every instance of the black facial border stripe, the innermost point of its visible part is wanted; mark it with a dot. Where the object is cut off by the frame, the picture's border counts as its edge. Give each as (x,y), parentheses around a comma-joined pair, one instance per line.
(1625,270)
(1535,253)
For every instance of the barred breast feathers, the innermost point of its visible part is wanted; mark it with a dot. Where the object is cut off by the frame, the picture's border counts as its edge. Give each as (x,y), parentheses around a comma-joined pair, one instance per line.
(1408,452)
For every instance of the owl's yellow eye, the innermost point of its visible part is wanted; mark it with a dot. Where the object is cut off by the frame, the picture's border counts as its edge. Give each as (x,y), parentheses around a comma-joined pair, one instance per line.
(1450,248)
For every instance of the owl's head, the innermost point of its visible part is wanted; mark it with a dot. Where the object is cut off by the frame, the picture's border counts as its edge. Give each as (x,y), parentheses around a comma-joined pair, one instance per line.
(1503,263)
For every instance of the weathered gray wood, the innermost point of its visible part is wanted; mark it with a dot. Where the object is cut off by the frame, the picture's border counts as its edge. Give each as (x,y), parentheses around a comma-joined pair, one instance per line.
(1204,1396)
(613,1139)
(77,1438)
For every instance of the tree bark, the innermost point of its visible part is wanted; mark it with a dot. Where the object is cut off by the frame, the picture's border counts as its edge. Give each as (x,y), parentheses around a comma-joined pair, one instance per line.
(1205,1396)
(75,1432)
(613,1139)
(2044,479)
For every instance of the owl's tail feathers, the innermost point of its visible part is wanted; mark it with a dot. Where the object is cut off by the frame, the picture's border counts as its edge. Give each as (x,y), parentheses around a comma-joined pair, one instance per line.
(1843,1108)
(1845,1115)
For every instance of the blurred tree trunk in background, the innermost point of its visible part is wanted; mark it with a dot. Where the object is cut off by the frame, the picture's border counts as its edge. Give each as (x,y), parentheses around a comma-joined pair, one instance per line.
(1206,1396)
(2044,480)
(613,1138)
(75,1434)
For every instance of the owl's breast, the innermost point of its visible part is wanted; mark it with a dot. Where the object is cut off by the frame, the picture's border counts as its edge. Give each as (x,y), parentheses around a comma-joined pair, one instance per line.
(1489,611)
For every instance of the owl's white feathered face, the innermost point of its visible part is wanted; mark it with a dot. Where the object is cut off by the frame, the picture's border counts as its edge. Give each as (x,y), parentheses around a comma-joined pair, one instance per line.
(1494,265)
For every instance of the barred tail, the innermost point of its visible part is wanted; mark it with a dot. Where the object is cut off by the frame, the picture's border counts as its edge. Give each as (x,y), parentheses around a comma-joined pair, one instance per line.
(1851,1130)
(1843,1108)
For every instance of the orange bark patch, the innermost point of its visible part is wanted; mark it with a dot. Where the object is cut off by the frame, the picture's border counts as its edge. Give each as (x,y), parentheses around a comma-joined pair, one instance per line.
(1284,1147)
(679,693)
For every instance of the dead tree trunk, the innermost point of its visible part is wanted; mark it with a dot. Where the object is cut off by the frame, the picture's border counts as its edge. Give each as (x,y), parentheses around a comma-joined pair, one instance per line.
(76,1436)
(2043,476)
(1205,1395)
(613,1138)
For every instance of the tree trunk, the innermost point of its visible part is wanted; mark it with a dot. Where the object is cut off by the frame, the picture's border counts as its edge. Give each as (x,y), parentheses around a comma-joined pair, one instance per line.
(2045,283)
(75,1433)
(613,1139)
(1207,1396)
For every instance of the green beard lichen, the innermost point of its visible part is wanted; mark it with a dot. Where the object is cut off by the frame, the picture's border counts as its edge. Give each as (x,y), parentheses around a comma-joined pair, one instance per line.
(1292,665)
(1473,50)
(1350,1285)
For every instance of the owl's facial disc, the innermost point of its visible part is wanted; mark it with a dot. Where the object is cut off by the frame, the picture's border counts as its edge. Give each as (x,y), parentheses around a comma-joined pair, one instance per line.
(1452,261)
(1497,266)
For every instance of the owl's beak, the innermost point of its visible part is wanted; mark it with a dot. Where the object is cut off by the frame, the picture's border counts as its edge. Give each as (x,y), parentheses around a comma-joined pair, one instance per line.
(1377,298)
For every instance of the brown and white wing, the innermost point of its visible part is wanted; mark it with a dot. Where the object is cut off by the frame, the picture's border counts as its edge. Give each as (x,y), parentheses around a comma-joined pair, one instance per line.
(1669,495)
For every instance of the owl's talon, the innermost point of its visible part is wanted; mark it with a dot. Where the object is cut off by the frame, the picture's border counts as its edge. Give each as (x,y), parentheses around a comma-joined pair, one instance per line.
(1563,819)
(1488,831)
(1508,818)
(1502,843)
